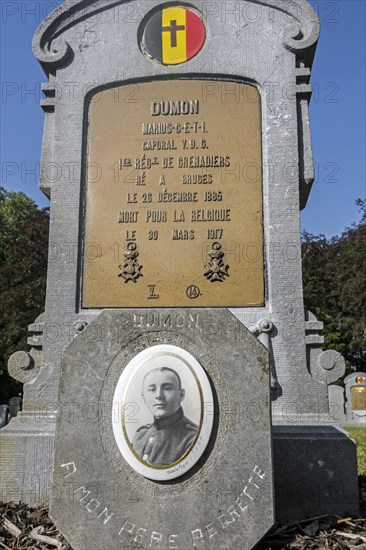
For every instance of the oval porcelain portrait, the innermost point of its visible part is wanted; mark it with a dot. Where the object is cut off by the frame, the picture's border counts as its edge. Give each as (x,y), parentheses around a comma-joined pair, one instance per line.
(162,412)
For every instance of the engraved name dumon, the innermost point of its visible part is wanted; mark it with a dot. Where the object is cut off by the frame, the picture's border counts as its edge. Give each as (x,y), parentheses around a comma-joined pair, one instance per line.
(171,108)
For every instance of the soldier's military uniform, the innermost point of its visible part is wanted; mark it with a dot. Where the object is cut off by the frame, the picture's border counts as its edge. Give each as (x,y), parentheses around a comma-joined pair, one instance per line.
(165,440)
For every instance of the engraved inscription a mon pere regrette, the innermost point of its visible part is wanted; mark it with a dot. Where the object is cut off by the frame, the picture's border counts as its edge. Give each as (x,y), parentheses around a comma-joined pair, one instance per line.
(174,196)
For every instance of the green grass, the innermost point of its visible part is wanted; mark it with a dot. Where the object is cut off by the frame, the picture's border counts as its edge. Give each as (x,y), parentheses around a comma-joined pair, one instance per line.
(359,435)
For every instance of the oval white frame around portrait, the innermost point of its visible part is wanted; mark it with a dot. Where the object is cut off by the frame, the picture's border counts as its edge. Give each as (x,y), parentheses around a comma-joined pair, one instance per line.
(206,417)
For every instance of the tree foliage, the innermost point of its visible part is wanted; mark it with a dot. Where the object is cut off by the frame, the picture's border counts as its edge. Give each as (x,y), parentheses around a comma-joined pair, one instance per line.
(334,275)
(15,210)
(23,266)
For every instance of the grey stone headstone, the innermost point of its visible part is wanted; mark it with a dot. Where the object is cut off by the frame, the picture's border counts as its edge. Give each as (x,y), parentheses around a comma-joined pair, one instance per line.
(225,501)
(336,404)
(4,415)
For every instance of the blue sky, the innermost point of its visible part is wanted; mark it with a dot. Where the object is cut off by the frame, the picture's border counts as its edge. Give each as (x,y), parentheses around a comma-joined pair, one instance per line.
(337,109)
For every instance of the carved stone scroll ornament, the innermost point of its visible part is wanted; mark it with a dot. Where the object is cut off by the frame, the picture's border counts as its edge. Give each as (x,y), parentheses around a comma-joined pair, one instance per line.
(216,269)
(52,50)
(330,367)
(325,366)
(131,269)
(24,366)
(301,37)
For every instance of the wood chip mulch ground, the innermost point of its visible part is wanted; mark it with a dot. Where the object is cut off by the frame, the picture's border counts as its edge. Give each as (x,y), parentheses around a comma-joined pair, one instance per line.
(22,527)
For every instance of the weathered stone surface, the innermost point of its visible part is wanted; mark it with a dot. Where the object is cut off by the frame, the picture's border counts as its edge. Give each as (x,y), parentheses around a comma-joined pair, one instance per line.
(224,501)
(26,454)
(330,367)
(21,367)
(309,467)
(337,403)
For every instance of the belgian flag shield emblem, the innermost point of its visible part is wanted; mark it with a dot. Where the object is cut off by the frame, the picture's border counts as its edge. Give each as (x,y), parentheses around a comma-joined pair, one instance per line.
(173,35)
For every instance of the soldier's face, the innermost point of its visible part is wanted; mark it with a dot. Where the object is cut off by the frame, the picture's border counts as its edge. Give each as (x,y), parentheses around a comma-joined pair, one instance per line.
(162,394)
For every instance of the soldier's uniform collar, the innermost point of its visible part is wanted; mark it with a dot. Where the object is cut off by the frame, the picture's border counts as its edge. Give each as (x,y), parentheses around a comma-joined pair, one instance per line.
(167,421)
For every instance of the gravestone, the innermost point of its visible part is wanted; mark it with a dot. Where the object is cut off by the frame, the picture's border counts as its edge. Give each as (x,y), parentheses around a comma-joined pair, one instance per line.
(355,389)
(177,155)
(4,415)
(223,499)
(348,404)
(337,404)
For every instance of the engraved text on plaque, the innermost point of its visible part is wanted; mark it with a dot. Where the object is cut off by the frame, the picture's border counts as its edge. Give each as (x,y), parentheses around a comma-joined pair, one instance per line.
(174,196)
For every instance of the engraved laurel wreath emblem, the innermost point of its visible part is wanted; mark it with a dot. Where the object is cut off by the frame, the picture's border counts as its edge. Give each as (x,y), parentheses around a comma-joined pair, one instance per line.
(216,269)
(130,269)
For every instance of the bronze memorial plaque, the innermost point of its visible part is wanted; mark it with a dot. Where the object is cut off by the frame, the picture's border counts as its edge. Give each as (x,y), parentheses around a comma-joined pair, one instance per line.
(358,398)
(174,210)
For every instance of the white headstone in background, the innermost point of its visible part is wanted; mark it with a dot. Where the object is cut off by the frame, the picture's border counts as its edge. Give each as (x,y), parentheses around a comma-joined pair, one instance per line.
(355,388)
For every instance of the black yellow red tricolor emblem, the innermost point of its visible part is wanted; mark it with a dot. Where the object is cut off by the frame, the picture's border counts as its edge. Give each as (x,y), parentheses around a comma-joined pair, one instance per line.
(174,35)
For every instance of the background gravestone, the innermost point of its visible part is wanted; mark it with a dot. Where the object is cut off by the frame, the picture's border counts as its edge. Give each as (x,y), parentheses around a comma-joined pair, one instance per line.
(348,404)
(92,49)
(4,415)
(355,389)
(337,403)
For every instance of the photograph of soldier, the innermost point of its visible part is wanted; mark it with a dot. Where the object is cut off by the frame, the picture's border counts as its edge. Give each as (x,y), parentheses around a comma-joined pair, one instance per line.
(171,434)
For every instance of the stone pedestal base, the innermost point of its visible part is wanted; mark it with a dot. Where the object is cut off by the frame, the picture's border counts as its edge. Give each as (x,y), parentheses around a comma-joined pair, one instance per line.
(315,468)
(26,457)
(315,472)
